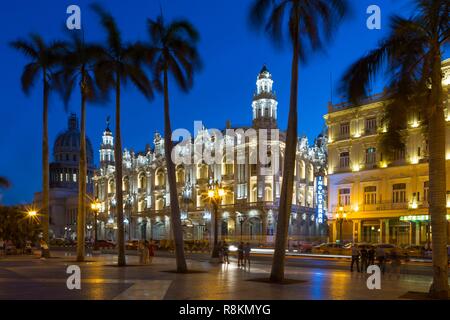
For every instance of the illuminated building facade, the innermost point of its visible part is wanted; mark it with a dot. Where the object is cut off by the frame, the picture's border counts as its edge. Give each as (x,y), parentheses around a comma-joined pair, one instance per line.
(248,210)
(64,180)
(371,198)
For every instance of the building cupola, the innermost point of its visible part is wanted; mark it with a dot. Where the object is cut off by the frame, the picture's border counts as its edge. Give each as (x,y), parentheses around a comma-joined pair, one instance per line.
(264,103)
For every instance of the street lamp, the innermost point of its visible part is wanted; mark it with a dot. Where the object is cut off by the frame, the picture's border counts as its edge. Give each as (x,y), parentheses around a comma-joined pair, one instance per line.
(341,216)
(215,195)
(32,213)
(241,219)
(95,207)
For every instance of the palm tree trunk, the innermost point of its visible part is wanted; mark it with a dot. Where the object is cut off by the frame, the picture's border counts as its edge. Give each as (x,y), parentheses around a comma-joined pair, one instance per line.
(438,210)
(277,272)
(119,194)
(82,172)
(174,205)
(45,210)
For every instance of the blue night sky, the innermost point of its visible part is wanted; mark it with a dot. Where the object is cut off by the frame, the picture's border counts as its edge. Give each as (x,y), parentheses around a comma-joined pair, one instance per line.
(232,56)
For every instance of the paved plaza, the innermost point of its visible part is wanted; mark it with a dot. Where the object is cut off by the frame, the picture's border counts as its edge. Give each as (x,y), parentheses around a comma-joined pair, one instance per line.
(28,277)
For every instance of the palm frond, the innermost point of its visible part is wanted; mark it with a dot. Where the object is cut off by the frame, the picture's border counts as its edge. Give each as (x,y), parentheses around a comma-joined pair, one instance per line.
(4,182)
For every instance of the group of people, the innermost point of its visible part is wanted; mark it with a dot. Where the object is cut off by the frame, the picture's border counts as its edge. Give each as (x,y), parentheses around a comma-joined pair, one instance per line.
(146,251)
(243,252)
(364,257)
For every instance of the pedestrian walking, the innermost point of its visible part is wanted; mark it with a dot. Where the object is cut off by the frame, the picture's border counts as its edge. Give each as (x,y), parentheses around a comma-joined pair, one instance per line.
(395,263)
(220,248)
(381,257)
(2,247)
(141,251)
(355,257)
(44,248)
(247,250)
(371,256)
(145,253)
(151,251)
(225,253)
(364,258)
(241,254)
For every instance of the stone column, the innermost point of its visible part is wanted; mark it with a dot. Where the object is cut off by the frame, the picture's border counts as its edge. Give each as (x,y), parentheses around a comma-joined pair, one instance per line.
(359,230)
(417,227)
(382,231)
(355,230)
(387,237)
(264,226)
(334,235)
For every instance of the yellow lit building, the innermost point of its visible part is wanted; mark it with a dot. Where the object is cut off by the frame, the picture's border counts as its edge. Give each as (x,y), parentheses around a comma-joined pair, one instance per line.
(369,198)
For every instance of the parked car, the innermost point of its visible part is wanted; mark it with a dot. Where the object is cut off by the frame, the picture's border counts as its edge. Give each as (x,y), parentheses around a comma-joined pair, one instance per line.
(388,248)
(414,251)
(305,247)
(28,249)
(57,242)
(10,248)
(132,245)
(330,248)
(105,244)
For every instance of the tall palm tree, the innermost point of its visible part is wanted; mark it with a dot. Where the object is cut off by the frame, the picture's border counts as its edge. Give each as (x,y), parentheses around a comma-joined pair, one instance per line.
(78,65)
(4,182)
(309,23)
(43,57)
(118,65)
(173,51)
(411,55)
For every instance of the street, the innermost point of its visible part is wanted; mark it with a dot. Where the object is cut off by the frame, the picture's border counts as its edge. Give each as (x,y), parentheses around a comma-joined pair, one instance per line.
(28,277)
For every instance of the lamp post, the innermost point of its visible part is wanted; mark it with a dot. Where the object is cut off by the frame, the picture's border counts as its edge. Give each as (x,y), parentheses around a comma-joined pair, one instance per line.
(341,216)
(95,207)
(215,195)
(32,214)
(241,219)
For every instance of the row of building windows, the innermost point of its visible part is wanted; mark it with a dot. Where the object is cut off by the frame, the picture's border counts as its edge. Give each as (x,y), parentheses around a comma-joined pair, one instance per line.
(371,197)
(370,127)
(370,157)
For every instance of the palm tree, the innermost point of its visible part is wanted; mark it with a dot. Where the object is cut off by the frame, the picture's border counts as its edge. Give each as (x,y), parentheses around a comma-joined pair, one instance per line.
(173,50)
(43,58)
(4,182)
(309,23)
(78,68)
(411,55)
(117,66)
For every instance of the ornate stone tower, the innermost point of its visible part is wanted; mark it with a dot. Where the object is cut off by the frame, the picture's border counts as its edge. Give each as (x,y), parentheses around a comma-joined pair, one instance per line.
(107,148)
(264,102)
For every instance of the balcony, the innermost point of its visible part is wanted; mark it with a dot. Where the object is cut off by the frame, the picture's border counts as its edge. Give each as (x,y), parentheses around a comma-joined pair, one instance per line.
(341,169)
(343,136)
(370,132)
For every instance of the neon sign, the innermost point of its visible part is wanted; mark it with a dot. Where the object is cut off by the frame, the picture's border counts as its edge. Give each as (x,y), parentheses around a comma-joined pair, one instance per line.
(320,199)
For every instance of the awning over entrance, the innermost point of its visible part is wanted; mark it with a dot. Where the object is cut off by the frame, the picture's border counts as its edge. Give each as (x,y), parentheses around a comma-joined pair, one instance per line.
(418,218)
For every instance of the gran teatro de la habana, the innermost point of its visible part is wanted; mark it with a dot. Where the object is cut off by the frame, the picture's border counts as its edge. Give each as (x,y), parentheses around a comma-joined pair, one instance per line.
(248,207)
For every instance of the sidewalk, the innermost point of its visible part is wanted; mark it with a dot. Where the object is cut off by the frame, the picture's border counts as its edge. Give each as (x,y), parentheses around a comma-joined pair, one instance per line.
(33,278)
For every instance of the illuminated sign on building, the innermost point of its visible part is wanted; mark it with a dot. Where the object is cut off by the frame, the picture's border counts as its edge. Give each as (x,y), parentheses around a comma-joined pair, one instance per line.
(320,199)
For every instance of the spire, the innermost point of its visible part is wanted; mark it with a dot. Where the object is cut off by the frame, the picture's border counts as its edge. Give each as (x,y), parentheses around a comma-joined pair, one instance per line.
(264,101)
(108,120)
(73,122)
(264,73)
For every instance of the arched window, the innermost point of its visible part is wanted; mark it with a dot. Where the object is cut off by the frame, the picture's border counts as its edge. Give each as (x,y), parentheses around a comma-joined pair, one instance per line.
(126,184)
(180,175)
(160,178)
(268,194)
(228,198)
(142,181)
(159,205)
(254,194)
(202,171)
(227,168)
(111,186)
